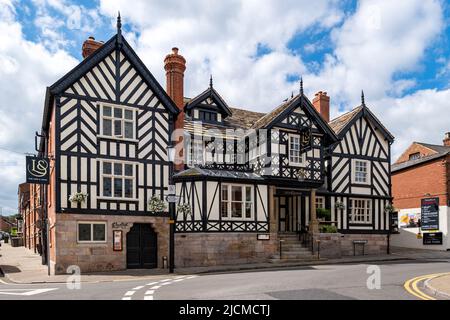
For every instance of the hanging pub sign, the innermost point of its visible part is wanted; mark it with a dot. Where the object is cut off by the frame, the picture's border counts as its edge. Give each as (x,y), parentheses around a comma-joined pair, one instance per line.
(38,170)
(430,214)
(305,140)
(434,238)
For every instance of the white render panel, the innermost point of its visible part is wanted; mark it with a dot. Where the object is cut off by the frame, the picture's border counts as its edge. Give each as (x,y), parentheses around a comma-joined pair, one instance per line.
(262,205)
(213,205)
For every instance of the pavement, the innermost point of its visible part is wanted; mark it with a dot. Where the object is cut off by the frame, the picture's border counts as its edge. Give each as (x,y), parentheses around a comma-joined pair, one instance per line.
(22,266)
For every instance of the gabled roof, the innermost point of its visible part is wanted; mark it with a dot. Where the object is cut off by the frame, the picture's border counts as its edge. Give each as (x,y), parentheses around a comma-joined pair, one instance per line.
(439,152)
(116,42)
(214,95)
(281,111)
(343,123)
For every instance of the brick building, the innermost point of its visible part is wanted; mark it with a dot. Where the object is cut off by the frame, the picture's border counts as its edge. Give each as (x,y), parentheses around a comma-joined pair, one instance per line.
(30,211)
(422,171)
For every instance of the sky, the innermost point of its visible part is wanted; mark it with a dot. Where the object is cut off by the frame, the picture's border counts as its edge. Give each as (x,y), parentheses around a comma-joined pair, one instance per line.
(398,52)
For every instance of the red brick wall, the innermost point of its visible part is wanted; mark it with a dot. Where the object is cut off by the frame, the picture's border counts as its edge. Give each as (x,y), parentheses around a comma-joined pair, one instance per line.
(409,186)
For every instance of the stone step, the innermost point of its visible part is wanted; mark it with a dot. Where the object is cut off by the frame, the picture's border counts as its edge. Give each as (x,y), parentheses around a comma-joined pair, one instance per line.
(295,248)
(312,259)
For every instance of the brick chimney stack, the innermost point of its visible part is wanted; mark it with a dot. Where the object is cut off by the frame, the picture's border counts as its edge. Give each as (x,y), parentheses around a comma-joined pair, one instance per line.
(89,47)
(175,65)
(322,104)
(447,139)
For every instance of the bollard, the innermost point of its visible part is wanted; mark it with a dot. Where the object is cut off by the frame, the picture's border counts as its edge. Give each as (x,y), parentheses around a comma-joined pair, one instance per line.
(318,249)
(164,262)
(281,250)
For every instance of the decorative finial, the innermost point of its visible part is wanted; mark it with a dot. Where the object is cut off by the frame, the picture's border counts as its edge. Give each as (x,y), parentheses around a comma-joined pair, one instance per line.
(363,100)
(210,81)
(301,86)
(292,94)
(119,29)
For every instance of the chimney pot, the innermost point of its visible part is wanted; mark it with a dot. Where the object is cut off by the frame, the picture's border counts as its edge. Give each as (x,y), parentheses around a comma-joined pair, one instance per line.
(175,65)
(90,46)
(447,139)
(321,103)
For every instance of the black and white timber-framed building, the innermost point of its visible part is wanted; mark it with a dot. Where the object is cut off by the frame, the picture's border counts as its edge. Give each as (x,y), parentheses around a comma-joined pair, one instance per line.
(242,178)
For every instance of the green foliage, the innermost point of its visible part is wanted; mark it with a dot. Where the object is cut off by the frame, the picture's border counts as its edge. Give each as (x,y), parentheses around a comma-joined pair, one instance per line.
(156,205)
(328,229)
(323,214)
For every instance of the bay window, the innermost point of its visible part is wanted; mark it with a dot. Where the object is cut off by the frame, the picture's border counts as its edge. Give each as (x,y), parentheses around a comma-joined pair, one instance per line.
(236,202)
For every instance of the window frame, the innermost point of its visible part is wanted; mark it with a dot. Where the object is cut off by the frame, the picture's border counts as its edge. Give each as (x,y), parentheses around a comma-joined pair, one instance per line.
(243,202)
(354,172)
(368,215)
(92,223)
(301,156)
(323,202)
(113,176)
(113,119)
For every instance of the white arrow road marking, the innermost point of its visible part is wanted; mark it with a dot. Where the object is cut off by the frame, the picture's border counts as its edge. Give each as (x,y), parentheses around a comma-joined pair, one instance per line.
(26,292)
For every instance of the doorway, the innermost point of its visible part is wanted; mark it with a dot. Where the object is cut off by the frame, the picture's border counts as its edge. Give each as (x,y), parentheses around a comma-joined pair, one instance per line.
(142,248)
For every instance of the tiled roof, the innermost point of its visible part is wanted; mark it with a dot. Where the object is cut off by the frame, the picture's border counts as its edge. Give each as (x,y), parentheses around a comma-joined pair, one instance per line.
(441,151)
(244,119)
(269,117)
(340,122)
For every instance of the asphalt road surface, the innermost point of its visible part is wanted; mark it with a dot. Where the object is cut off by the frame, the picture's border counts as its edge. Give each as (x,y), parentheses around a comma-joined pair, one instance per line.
(324,282)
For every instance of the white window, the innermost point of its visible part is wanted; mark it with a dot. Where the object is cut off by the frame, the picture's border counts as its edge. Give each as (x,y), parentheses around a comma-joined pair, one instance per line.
(295,157)
(361,171)
(118,180)
(236,202)
(361,211)
(91,232)
(320,202)
(196,153)
(118,122)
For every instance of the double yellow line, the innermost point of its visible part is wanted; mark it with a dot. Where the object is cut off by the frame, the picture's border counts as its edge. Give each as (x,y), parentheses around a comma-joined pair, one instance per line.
(412,286)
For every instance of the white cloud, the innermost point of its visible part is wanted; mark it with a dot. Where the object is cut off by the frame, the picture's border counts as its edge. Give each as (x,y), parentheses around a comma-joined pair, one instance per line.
(222,39)
(26,68)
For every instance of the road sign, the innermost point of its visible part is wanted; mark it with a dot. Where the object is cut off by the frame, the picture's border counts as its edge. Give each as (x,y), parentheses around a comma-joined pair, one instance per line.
(172,199)
(172,189)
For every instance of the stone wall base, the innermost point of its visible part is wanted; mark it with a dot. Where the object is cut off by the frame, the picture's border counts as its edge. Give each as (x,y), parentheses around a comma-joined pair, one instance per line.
(337,245)
(211,249)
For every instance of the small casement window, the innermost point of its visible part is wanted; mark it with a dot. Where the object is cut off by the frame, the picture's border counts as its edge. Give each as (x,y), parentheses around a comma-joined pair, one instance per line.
(320,202)
(91,232)
(236,202)
(361,171)
(208,116)
(118,122)
(196,153)
(361,211)
(295,156)
(414,156)
(118,180)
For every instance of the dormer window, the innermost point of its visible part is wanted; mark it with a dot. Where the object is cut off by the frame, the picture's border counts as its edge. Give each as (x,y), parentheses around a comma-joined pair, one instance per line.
(208,116)
(414,156)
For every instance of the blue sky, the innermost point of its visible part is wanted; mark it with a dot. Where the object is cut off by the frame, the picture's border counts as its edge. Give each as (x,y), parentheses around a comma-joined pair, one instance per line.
(257,52)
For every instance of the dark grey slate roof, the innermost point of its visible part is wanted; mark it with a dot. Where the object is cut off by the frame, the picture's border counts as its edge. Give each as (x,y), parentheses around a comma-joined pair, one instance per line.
(199,172)
(441,151)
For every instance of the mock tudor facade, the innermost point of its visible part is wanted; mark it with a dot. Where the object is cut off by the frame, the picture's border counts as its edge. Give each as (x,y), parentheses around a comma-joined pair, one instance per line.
(244,179)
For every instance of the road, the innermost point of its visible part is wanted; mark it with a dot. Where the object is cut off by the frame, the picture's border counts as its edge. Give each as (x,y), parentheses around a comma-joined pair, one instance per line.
(324,282)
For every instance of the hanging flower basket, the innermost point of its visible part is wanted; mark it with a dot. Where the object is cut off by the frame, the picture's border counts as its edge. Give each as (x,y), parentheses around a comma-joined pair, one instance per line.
(79,197)
(339,205)
(156,205)
(389,208)
(184,209)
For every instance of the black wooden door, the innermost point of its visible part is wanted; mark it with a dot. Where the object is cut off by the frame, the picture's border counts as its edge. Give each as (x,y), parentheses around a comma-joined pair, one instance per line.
(141,247)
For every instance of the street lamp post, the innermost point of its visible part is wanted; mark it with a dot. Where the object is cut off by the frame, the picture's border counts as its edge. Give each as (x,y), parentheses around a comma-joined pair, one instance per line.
(171,156)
